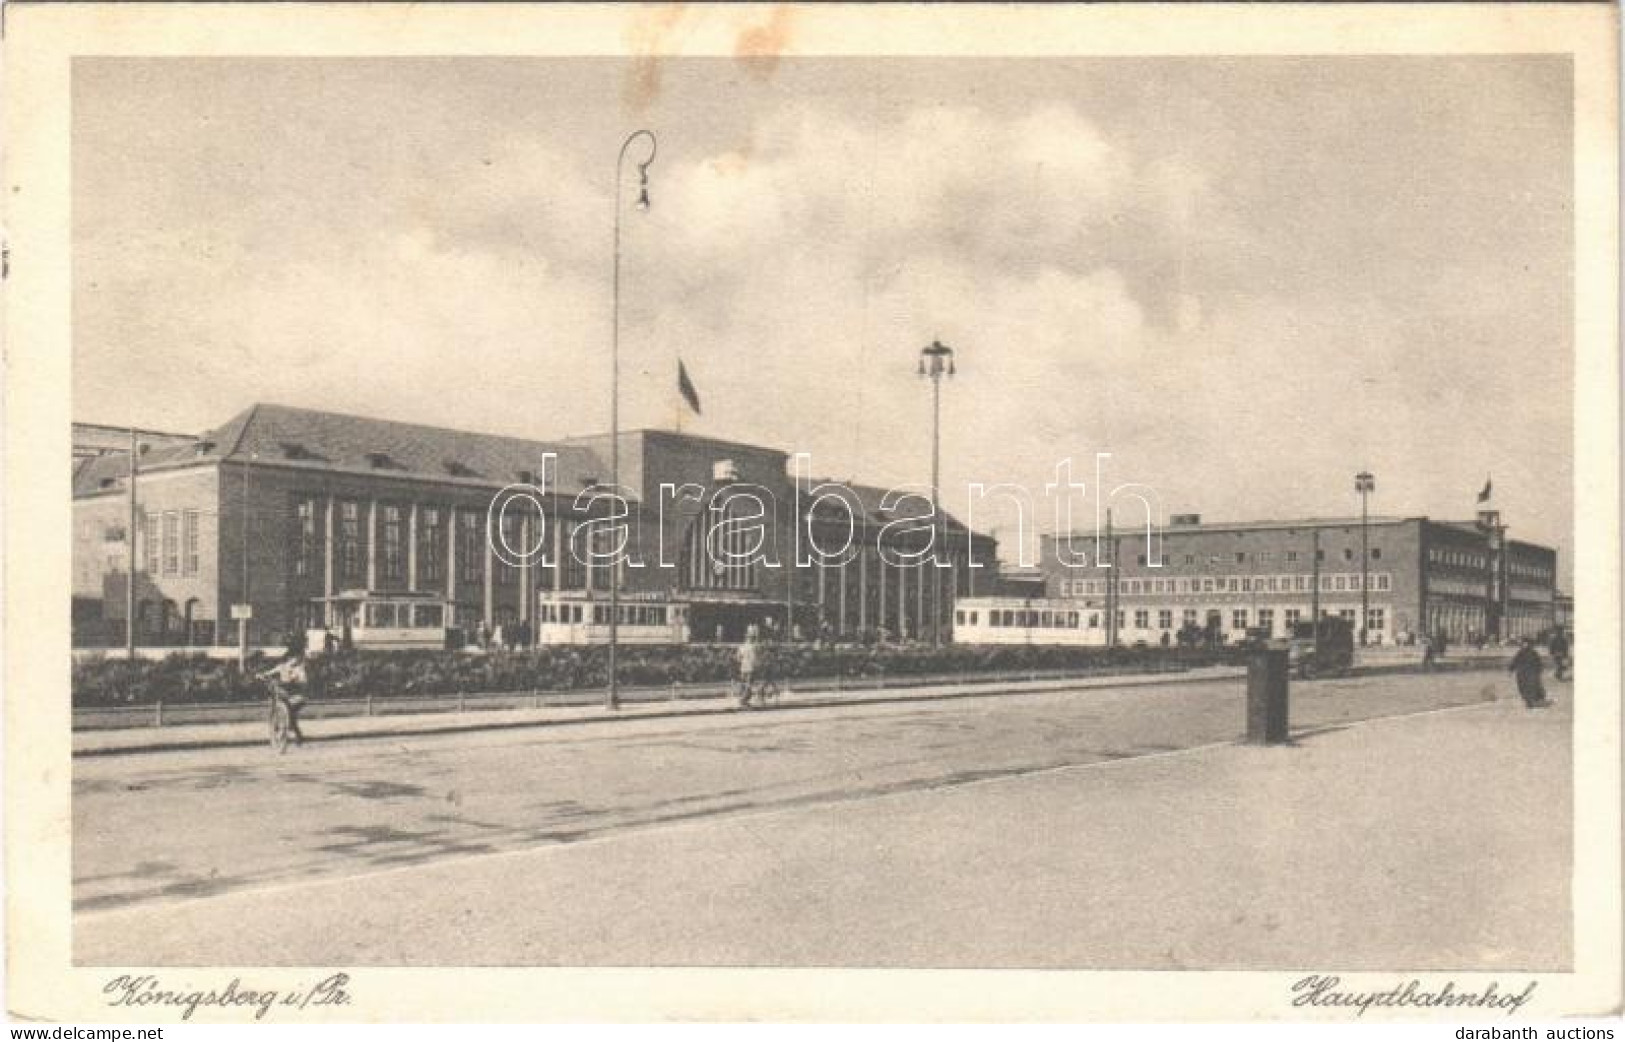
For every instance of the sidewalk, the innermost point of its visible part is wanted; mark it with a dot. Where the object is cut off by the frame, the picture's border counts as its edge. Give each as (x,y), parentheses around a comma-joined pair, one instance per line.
(220,735)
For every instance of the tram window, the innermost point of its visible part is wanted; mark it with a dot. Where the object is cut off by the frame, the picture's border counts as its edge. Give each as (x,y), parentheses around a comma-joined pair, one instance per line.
(600,614)
(428,616)
(1045,618)
(1072,620)
(380,616)
(1094,620)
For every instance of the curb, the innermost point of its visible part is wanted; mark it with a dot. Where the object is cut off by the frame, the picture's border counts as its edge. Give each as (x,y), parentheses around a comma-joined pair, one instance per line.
(725,707)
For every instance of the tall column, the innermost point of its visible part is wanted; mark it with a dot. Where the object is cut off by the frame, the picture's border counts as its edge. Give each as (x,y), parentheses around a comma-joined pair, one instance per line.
(489,584)
(842,622)
(524,568)
(863,586)
(451,555)
(919,594)
(902,599)
(880,567)
(329,586)
(412,548)
(372,544)
(558,552)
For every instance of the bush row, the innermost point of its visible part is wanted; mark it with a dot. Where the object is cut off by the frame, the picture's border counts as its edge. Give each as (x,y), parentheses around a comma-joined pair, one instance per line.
(111,681)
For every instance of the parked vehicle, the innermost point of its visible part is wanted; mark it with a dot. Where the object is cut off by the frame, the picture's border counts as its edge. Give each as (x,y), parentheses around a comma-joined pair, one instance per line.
(1330,651)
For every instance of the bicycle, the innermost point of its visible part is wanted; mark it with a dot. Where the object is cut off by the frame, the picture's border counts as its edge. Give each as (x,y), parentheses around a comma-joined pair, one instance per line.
(756,694)
(280,722)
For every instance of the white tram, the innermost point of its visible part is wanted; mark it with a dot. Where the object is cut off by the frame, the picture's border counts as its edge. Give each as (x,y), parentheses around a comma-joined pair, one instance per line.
(1023,620)
(376,621)
(581,618)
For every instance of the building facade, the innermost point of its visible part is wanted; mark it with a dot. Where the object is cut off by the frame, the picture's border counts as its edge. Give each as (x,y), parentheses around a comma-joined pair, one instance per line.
(291,511)
(1461,580)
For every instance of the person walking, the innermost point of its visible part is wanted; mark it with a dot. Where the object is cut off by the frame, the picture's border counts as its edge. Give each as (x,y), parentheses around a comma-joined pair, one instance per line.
(1526,666)
(1559,647)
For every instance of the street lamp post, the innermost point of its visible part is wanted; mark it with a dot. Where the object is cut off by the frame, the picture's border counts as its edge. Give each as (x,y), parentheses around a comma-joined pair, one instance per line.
(1364,484)
(936,361)
(612,700)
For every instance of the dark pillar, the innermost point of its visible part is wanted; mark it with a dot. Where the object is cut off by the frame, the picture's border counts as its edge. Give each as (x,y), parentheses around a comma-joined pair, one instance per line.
(1267,697)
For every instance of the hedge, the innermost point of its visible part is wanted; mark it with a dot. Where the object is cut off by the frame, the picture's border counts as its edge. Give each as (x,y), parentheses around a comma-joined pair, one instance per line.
(180,678)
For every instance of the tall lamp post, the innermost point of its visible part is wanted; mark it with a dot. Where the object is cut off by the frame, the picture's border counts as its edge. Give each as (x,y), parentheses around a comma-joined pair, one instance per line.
(1364,484)
(936,361)
(612,700)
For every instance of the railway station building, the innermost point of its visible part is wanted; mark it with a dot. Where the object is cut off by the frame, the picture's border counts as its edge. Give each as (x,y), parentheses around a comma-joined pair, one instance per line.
(301,514)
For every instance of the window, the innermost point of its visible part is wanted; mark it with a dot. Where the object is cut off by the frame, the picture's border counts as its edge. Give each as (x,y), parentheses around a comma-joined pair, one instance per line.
(1142,618)
(1165,619)
(392,540)
(471,550)
(1207,585)
(1291,618)
(307,552)
(1292,555)
(1339,583)
(1241,558)
(1120,615)
(1320,555)
(431,547)
(1348,554)
(149,539)
(1094,620)
(172,542)
(1266,620)
(381,616)
(1232,585)
(1266,556)
(1190,558)
(1382,581)
(189,541)
(1238,619)
(1374,620)
(1376,553)
(349,536)
(1189,617)
(1141,559)
(508,574)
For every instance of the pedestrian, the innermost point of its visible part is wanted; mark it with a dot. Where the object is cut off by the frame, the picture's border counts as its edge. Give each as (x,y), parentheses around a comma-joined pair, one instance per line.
(1559,647)
(1526,666)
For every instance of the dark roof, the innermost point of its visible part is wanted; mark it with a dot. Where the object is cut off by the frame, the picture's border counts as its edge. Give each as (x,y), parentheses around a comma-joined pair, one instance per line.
(1131,527)
(870,497)
(326,440)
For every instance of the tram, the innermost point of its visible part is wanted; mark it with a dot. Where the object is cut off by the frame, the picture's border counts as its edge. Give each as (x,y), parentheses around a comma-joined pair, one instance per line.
(582,618)
(1023,620)
(369,620)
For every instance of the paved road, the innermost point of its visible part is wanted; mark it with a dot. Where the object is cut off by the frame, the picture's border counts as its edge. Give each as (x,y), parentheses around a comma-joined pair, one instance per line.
(172,849)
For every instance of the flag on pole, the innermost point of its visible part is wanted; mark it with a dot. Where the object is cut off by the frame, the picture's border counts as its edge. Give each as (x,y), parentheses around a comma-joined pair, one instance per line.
(685,387)
(1484,496)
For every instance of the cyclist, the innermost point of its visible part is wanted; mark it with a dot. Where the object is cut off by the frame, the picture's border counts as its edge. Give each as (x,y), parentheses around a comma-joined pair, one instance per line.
(747,667)
(289,679)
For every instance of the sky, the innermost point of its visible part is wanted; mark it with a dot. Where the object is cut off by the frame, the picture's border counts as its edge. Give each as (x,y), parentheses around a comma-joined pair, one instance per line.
(1244,278)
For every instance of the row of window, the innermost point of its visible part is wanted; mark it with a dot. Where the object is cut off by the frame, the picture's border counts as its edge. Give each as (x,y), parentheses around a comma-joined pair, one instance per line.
(630,614)
(1242,557)
(405,616)
(170,542)
(1241,619)
(1458,558)
(1339,583)
(435,528)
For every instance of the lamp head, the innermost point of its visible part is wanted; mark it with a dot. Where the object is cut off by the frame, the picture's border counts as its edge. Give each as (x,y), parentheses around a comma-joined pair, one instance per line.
(643,190)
